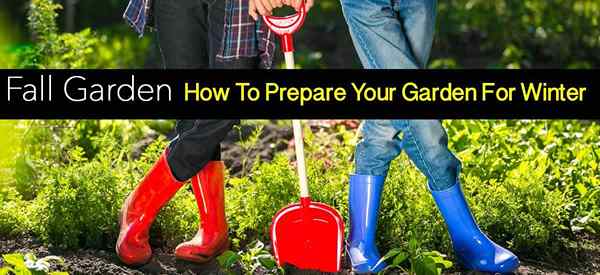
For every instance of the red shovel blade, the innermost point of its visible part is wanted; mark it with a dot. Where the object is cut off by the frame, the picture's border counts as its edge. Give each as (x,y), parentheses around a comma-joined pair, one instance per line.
(308,235)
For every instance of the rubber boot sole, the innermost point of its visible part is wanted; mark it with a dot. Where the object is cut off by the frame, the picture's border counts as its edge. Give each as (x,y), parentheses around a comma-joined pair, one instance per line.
(200,259)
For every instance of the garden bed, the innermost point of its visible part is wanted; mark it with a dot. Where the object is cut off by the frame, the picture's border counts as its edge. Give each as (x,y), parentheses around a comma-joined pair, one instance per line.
(514,179)
(92,261)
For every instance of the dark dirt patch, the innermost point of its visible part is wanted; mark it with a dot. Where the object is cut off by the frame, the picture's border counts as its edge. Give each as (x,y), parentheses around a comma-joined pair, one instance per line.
(239,160)
(91,261)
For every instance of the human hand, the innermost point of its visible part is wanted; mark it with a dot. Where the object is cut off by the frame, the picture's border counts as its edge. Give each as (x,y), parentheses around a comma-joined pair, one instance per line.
(263,7)
(298,3)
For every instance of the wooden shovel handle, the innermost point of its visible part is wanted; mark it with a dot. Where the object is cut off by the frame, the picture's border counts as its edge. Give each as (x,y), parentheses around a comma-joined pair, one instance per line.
(299,146)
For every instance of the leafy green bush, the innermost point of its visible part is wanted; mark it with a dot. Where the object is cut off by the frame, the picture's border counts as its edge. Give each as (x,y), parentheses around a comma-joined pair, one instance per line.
(532,185)
(12,220)
(75,176)
(46,144)
(85,49)
(54,50)
(251,202)
(81,203)
(522,33)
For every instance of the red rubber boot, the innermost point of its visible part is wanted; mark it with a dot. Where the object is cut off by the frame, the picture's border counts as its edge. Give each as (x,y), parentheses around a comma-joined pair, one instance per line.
(140,209)
(211,239)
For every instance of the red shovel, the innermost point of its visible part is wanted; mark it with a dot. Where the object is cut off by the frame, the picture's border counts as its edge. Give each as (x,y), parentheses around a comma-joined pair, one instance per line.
(307,235)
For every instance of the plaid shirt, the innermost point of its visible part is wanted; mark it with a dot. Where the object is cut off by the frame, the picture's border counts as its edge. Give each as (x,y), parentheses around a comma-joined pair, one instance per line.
(243,37)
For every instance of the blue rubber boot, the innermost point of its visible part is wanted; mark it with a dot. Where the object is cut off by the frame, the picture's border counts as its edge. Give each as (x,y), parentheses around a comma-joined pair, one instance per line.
(363,202)
(472,247)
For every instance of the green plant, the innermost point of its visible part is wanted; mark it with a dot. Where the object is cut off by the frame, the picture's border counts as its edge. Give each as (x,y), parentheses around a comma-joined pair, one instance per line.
(80,50)
(251,260)
(420,262)
(81,201)
(28,264)
(532,33)
(252,201)
(54,50)
(12,220)
(248,144)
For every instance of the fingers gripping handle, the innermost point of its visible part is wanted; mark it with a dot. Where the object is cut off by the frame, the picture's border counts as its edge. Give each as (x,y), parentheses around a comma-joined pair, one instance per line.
(285,27)
(299,146)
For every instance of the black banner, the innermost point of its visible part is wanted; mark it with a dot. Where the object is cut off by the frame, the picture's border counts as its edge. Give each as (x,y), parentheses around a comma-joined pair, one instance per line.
(322,94)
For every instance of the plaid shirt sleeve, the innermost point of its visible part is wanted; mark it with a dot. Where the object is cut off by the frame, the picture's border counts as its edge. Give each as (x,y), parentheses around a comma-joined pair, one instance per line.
(242,37)
(136,14)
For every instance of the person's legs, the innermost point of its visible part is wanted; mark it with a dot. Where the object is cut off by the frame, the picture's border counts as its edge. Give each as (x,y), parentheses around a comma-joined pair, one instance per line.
(195,153)
(182,33)
(191,154)
(418,21)
(189,36)
(426,143)
(140,209)
(376,149)
(391,34)
(197,143)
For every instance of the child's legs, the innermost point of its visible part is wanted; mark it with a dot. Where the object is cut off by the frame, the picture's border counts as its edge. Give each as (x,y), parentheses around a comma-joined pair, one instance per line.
(426,143)
(197,143)
(381,38)
(377,148)
(418,21)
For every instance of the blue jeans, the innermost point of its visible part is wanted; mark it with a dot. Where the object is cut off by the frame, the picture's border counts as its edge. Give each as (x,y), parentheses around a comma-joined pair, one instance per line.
(391,34)
(425,142)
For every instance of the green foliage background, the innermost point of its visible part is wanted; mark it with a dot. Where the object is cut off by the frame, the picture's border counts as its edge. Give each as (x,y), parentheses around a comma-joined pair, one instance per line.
(533,186)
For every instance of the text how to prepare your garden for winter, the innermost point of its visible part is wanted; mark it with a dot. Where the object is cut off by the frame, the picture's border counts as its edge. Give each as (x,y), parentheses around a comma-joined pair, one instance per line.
(80,89)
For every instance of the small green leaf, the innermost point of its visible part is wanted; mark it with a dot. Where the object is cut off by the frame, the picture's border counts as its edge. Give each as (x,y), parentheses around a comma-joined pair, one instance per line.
(412,244)
(399,259)
(392,253)
(228,259)
(581,189)
(447,264)
(58,273)
(16,260)
(22,270)
(267,261)
(426,266)
(5,270)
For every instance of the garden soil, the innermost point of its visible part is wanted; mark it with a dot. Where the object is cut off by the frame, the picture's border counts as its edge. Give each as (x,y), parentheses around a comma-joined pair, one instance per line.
(89,261)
